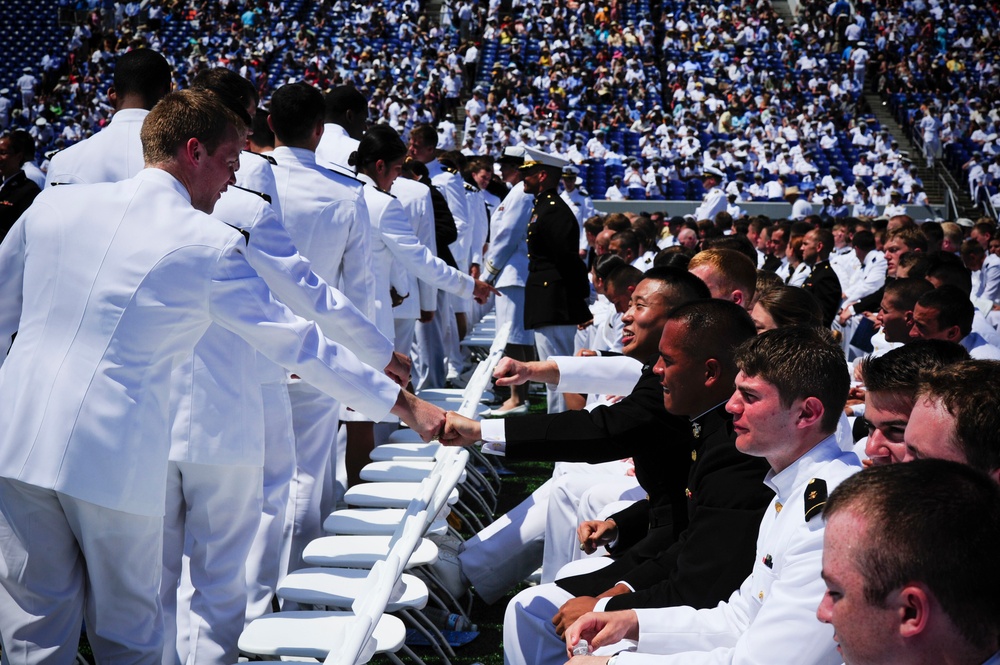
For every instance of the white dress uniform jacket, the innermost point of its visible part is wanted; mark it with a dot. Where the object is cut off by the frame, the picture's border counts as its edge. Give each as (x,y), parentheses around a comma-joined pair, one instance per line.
(212,411)
(452,187)
(393,237)
(869,279)
(84,388)
(506,261)
(416,199)
(583,207)
(335,148)
(110,155)
(327,218)
(771,618)
(714,203)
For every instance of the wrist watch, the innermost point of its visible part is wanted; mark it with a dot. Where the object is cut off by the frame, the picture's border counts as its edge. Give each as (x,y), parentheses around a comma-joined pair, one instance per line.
(614,659)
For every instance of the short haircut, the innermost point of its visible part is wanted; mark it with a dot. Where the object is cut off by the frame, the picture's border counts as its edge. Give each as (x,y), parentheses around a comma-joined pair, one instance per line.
(863,240)
(684,286)
(734,270)
(953,232)
(896,374)
(672,257)
(617,222)
(424,134)
(296,108)
(909,236)
(792,306)
(23,144)
(825,237)
(766,280)
(737,243)
(627,239)
(605,264)
(262,134)
(915,264)
(645,229)
(953,307)
(968,390)
(801,362)
(932,522)
(949,269)
(594,224)
(142,72)
(905,292)
(714,329)
(623,276)
(933,232)
(986,228)
(236,92)
(183,115)
(340,100)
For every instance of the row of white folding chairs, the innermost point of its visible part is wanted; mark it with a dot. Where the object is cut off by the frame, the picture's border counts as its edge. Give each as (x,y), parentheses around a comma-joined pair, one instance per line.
(426,488)
(346,581)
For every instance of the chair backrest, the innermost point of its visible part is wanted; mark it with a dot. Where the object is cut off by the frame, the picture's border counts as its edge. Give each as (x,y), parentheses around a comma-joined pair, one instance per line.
(357,646)
(456,459)
(481,376)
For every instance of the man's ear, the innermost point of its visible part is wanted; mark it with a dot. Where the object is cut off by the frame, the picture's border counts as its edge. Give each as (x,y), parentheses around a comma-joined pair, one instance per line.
(810,412)
(914,605)
(713,371)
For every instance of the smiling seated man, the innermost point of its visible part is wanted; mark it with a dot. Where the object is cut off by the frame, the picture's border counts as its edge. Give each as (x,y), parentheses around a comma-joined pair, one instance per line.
(909,561)
(891,382)
(790,391)
(725,500)
(504,553)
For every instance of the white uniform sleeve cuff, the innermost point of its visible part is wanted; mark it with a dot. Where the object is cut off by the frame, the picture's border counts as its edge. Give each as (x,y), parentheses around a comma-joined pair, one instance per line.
(493,430)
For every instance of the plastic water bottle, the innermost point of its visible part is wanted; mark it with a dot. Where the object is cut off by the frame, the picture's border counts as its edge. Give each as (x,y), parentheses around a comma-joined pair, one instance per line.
(582,648)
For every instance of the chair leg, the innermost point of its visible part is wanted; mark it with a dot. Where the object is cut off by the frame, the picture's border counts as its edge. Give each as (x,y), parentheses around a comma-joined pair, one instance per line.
(412,656)
(436,639)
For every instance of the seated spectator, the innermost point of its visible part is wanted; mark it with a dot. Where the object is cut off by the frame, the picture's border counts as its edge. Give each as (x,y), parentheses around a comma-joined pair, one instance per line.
(908,561)
(946,313)
(789,395)
(955,416)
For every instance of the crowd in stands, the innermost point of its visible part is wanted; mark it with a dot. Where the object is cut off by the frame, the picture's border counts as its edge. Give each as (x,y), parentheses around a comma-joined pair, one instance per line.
(641,97)
(937,69)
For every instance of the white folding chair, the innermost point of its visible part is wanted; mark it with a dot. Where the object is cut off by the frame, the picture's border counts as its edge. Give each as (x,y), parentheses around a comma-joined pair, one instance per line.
(312,634)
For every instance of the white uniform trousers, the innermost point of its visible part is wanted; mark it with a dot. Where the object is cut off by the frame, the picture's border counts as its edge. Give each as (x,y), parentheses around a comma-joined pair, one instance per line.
(578,497)
(554,341)
(405,330)
(529,637)
(212,514)
(268,557)
(315,419)
(510,308)
(504,553)
(72,560)
(429,349)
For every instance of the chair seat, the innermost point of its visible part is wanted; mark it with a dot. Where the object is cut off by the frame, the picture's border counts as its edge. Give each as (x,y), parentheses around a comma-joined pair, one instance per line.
(313,634)
(362,551)
(407,451)
(448,394)
(386,495)
(339,587)
(405,435)
(371,522)
(404,471)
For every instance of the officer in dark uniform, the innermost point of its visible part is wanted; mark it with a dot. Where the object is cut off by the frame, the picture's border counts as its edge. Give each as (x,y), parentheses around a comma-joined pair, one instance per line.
(17,191)
(822,281)
(556,291)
